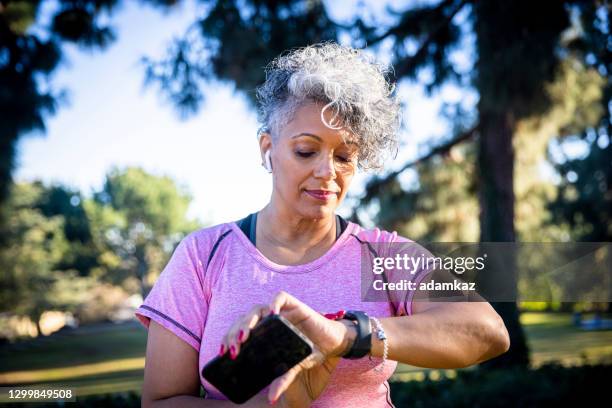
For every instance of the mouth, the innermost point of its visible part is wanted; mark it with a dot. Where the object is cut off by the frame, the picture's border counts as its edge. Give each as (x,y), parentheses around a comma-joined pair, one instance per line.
(322,195)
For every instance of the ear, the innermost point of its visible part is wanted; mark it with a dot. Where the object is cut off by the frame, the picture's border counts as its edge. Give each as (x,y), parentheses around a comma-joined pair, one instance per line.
(265,147)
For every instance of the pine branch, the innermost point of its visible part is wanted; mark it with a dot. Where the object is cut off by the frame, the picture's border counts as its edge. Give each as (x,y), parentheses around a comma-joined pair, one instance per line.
(399,29)
(405,66)
(375,185)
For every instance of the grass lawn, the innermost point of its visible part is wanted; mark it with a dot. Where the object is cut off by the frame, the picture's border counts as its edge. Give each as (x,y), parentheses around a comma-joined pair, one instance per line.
(93,360)
(110,358)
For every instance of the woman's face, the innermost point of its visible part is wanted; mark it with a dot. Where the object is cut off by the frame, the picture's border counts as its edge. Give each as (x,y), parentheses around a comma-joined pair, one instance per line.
(312,165)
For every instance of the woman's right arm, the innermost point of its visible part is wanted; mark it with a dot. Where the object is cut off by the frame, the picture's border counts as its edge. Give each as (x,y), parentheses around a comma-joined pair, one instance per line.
(171,377)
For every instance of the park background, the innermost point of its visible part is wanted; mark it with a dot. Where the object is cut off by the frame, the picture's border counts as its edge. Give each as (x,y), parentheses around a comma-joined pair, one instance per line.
(126,124)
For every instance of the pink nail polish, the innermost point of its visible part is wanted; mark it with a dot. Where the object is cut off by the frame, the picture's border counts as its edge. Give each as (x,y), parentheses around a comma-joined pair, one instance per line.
(232,352)
(240,335)
(222,350)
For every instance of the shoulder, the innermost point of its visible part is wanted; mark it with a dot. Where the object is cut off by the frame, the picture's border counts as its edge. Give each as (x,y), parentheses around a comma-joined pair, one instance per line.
(390,243)
(376,234)
(204,239)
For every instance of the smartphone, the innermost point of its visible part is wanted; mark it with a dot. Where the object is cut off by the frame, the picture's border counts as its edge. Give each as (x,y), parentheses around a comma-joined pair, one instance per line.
(274,346)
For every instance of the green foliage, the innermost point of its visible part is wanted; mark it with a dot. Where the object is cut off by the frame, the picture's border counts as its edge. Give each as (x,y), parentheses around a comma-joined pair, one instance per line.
(549,385)
(155,201)
(144,217)
(20,15)
(233,42)
(33,245)
(585,191)
(28,58)
(63,252)
(435,33)
(443,208)
(57,200)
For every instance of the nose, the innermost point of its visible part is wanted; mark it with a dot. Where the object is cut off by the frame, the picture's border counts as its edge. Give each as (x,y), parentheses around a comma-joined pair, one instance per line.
(325,168)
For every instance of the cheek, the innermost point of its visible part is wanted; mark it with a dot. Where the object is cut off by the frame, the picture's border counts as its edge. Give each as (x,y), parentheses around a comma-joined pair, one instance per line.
(345,178)
(291,180)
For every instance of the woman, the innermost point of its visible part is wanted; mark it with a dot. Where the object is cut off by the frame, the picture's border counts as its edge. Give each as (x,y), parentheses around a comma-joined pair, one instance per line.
(326,110)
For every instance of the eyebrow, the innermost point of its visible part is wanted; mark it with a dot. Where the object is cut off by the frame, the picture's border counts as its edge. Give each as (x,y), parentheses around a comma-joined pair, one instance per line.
(317,137)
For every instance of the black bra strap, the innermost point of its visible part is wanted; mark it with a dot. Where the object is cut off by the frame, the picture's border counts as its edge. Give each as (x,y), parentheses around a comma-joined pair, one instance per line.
(341,225)
(253,229)
(338,232)
(248,225)
(245,224)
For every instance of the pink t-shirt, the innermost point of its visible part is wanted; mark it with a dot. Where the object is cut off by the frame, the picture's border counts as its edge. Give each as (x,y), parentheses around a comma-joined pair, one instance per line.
(216,275)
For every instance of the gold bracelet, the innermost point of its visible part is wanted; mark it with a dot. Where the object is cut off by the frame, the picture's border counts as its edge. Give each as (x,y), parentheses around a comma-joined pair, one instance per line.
(380,334)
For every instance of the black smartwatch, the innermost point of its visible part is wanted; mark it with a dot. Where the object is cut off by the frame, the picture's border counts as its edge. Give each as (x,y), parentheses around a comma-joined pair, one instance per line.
(363,342)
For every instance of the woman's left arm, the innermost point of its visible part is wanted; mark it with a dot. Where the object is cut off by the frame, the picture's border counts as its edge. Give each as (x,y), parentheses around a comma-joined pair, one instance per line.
(444,335)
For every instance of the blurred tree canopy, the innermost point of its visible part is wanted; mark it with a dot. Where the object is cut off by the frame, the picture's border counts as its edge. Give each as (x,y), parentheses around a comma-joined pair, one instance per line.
(585,192)
(151,217)
(57,200)
(30,51)
(35,244)
(59,248)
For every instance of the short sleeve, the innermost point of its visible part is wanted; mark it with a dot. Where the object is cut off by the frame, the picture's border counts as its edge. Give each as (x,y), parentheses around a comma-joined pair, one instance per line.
(177,301)
(391,245)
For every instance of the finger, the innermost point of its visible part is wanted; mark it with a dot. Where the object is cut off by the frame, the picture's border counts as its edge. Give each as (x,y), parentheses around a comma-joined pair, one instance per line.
(239,331)
(279,300)
(288,303)
(280,385)
(250,323)
(230,341)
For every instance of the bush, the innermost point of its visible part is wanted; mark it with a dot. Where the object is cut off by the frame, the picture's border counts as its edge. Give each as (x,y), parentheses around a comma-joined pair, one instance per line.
(547,386)
(102,303)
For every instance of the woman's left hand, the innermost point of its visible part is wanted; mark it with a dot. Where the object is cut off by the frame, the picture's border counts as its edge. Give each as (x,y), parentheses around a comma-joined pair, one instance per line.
(303,383)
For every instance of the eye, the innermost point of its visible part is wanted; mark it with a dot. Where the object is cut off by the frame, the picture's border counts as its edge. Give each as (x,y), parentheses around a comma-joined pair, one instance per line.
(304,154)
(344,159)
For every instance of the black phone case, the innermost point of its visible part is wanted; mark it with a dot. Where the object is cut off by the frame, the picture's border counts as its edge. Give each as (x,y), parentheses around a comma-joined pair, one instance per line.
(274,346)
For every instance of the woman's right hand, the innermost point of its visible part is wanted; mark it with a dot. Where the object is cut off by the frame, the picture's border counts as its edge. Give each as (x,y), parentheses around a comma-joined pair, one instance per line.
(304,382)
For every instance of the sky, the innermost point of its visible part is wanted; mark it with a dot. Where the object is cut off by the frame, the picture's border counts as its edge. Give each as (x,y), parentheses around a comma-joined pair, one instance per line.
(111,119)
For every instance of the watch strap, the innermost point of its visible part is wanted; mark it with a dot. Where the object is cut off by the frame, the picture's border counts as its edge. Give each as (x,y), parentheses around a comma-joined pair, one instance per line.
(363,342)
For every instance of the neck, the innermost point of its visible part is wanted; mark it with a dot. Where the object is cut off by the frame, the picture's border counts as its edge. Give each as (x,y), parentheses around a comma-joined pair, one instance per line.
(287,229)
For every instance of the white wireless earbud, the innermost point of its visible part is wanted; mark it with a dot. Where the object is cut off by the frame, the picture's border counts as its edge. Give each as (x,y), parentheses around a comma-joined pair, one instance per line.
(268,161)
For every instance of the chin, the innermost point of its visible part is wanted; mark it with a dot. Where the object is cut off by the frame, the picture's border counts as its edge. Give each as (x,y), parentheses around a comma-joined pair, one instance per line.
(318,211)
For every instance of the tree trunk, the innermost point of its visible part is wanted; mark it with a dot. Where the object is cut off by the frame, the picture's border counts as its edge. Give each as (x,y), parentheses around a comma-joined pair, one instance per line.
(8,142)
(36,318)
(142,267)
(496,196)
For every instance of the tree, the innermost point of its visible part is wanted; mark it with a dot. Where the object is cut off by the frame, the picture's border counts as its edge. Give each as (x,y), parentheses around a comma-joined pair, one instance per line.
(57,200)
(585,197)
(585,191)
(442,208)
(150,218)
(29,57)
(34,244)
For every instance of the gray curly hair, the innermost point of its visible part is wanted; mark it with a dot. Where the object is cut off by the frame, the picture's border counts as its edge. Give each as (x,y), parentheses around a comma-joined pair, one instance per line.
(344,79)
